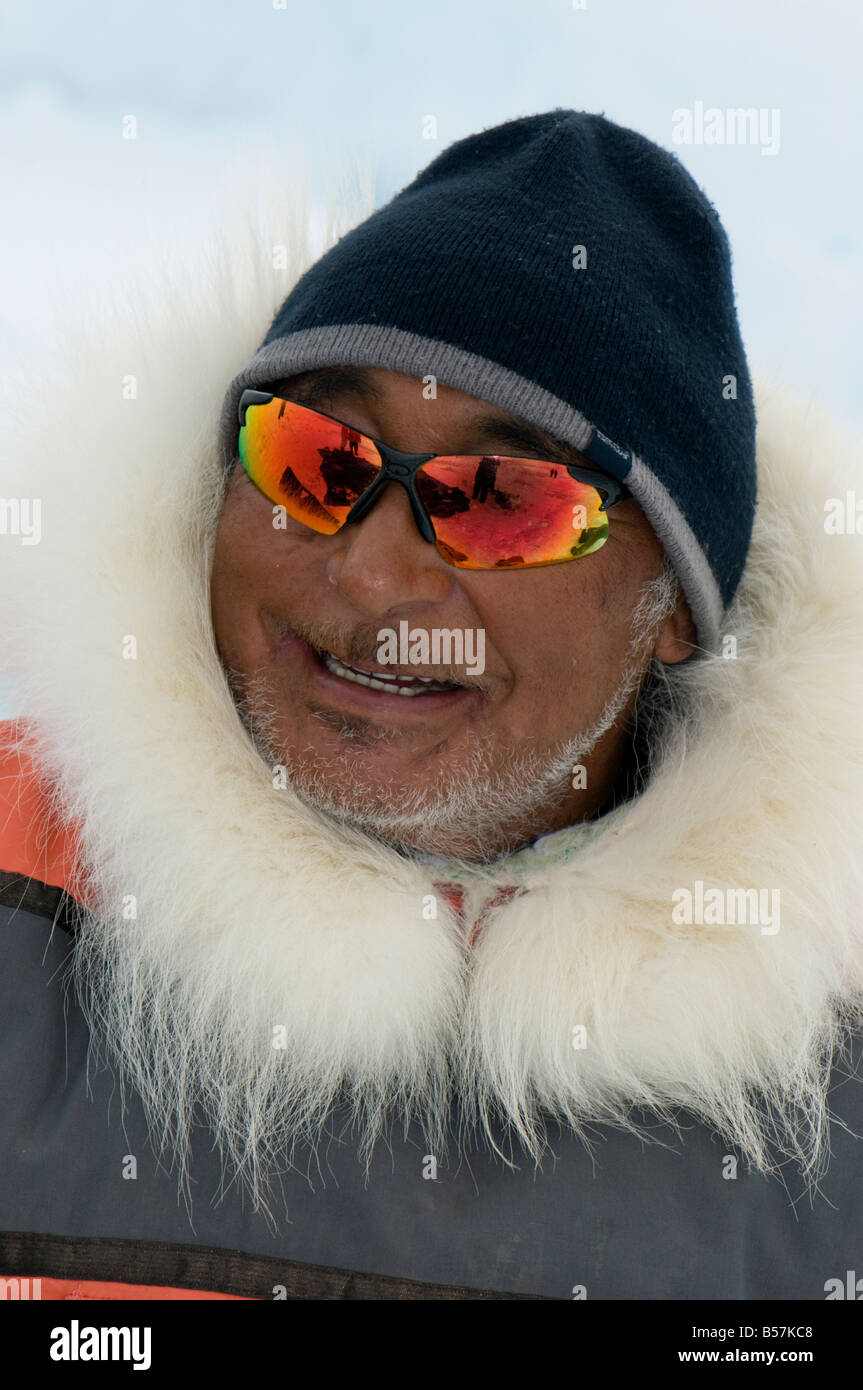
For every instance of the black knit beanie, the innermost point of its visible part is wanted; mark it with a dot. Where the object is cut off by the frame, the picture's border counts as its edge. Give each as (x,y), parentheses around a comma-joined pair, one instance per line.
(571,272)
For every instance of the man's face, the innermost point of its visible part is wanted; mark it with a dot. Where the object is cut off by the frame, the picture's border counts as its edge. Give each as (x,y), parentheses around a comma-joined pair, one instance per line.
(474,770)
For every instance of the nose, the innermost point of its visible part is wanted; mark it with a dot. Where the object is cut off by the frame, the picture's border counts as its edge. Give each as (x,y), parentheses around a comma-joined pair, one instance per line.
(382,561)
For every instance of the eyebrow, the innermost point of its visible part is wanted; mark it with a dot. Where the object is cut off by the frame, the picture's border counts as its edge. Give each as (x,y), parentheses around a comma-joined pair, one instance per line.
(520,434)
(326,383)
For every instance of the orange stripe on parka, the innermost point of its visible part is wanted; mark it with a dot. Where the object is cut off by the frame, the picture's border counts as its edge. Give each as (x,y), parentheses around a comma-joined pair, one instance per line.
(95,1290)
(33,841)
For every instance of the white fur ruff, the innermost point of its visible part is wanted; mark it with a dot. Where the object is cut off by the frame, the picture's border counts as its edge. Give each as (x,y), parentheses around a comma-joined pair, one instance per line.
(260,916)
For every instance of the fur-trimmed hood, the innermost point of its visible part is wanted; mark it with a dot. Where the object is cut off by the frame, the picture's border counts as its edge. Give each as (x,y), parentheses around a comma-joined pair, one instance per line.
(249,896)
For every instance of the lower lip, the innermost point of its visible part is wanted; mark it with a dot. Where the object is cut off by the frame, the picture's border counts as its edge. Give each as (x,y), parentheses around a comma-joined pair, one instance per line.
(354,698)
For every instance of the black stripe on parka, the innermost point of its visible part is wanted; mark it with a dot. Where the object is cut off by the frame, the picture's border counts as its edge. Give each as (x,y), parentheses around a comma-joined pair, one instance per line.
(33,1254)
(26,894)
(29,1254)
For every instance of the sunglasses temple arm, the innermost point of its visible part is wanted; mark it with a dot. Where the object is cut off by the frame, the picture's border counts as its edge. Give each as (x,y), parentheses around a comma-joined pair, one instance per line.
(614,490)
(250,397)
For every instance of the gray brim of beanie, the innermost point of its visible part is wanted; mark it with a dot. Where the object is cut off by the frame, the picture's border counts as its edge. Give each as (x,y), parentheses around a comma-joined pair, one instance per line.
(376,345)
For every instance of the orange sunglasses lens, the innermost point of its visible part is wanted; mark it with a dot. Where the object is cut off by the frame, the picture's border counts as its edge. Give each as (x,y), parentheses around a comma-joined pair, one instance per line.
(316,468)
(509,513)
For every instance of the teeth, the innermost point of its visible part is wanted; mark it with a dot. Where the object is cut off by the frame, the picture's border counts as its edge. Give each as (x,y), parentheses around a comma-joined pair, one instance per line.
(380,681)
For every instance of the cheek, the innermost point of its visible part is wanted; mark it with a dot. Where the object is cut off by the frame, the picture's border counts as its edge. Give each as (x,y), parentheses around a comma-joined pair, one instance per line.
(255,565)
(232,569)
(246,546)
(565,636)
(243,554)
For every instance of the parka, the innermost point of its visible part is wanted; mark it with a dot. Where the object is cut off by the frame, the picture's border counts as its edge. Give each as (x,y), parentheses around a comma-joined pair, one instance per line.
(619,1064)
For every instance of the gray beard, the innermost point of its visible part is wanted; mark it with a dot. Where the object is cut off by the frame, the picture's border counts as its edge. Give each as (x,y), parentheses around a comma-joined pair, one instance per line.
(478,813)
(483,808)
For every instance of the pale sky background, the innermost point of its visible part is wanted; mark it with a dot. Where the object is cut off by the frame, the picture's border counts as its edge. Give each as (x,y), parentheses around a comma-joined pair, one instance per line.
(218,86)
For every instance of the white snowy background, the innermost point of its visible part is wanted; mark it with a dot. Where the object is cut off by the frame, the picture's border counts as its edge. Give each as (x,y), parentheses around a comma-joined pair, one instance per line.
(228,94)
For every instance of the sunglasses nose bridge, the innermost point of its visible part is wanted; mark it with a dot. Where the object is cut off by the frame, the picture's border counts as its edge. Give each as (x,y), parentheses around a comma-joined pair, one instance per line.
(398,467)
(402,474)
(398,462)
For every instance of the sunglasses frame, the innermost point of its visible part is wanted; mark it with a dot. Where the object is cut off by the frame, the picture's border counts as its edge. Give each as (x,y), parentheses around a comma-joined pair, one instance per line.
(399,467)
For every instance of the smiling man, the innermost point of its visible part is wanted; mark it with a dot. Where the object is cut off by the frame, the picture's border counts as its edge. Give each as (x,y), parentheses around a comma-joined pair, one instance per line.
(468,765)
(416,712)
